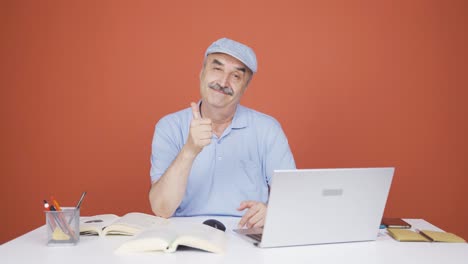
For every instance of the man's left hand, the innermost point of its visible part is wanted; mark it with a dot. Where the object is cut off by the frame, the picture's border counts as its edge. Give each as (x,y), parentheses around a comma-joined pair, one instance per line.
(255,215)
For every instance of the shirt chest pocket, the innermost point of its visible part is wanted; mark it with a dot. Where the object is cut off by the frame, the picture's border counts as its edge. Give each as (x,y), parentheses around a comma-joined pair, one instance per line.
(249,176)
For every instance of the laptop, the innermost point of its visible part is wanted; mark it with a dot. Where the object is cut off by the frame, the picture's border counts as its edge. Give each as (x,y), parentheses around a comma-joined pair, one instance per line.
(321,206)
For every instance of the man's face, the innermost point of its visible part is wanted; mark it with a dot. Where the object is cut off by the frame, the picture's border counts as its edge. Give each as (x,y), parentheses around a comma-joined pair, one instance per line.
(223,80)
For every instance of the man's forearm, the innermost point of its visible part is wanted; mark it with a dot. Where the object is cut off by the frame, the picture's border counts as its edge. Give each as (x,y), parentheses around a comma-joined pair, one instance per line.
(167,193)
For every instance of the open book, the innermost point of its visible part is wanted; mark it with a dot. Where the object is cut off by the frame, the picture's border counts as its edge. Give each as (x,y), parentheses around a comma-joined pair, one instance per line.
(169,236)
(111,224)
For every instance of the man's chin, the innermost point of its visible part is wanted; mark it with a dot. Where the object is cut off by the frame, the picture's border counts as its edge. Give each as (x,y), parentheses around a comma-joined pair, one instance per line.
(218,102)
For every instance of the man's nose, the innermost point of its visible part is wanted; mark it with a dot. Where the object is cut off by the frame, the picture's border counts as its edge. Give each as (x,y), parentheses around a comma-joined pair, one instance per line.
(224,81)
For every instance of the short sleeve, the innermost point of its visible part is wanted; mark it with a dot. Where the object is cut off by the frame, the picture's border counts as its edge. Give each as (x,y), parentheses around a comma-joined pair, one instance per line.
(167,143)
(277,151)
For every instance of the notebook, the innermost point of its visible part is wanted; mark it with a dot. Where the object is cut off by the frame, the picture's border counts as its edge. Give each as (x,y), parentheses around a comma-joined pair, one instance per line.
(320,206)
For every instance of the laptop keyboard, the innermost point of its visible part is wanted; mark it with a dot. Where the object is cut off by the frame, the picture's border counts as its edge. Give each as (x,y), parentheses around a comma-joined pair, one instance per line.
(257,237)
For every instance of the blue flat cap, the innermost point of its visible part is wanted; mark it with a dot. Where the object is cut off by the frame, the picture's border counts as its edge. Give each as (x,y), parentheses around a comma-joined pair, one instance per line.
(237,50)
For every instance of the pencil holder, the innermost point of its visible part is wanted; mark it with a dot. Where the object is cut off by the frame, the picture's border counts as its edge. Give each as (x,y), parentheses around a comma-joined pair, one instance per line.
(63,227)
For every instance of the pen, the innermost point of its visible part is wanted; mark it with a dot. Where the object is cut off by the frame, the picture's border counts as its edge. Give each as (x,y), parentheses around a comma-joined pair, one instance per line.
(57,220)
(46,205)
(77,207)
(53,224)
(62,223)
(81,200)
(55,204)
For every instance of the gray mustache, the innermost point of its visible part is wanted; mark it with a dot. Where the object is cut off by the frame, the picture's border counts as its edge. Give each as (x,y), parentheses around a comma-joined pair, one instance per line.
(225,90)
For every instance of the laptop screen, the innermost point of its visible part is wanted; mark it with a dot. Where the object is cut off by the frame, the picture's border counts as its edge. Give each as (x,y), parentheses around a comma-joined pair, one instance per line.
(318,206)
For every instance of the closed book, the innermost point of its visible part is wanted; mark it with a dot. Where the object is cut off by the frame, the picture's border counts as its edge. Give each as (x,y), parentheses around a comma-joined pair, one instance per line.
(437,236)
(407,235)
(395,223)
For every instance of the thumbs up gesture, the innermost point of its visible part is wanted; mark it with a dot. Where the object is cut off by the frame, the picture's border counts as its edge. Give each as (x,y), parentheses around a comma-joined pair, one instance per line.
(200,131)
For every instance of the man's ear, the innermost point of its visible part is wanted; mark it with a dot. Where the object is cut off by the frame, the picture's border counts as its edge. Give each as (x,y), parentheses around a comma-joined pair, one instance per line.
(203,68)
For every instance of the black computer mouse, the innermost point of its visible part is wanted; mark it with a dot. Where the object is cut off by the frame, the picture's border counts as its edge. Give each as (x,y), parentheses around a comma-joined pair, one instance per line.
(215,224)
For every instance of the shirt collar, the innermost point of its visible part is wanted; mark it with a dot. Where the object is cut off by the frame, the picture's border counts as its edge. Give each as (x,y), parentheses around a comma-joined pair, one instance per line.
(240,118)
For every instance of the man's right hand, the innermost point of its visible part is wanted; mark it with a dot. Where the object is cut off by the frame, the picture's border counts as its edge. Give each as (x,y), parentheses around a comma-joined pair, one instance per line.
(200,133)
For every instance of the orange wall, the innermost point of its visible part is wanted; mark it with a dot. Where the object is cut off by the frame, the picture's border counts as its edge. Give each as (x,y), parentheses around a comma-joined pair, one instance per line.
(354,83)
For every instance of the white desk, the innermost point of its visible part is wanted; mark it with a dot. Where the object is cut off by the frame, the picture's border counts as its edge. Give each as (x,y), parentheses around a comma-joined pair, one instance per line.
(31,248)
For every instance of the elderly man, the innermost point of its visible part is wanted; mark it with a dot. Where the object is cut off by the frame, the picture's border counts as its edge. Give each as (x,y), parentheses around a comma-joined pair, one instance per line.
(217,157)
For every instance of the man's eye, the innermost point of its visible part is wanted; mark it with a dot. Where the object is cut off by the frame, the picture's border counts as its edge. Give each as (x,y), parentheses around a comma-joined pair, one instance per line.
(216,68)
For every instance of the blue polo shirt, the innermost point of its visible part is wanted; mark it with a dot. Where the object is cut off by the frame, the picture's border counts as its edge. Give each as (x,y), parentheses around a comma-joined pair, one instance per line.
(235,167)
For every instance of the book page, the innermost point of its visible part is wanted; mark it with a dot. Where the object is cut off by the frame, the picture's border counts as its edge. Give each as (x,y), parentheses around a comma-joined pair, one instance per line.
(93,225)
(133,223)
(157,238)
(200,236)
(167,237)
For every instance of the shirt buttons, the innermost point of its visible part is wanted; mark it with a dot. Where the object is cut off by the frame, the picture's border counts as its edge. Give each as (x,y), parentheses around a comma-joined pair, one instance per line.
(220,158)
